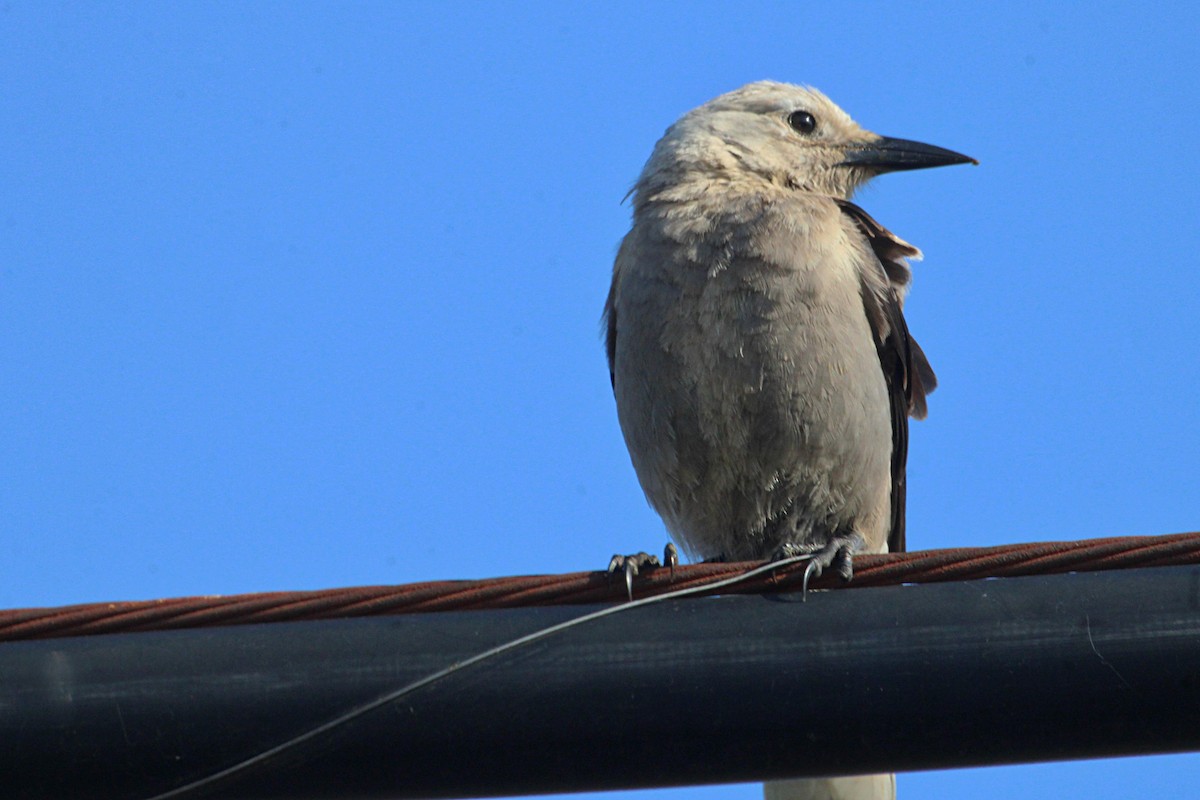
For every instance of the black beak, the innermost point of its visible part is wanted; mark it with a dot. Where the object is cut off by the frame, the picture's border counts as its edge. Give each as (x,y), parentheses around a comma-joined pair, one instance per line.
(890,155)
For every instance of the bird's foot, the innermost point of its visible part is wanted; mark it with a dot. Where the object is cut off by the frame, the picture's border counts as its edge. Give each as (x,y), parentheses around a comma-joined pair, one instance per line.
(632,565)
(836,554)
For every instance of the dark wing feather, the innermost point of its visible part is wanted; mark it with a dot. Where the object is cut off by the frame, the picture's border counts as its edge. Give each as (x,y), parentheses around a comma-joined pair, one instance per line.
(895,360)
(905,368)
(608,322)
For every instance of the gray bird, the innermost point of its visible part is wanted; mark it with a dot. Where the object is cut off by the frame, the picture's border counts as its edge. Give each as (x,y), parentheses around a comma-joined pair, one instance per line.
(762,367)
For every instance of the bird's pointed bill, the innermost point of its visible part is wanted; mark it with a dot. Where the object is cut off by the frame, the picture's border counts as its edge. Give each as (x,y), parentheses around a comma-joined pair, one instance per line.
(888,154)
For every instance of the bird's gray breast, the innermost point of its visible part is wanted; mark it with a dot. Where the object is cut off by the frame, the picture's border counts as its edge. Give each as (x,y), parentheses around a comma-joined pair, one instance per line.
(748,384)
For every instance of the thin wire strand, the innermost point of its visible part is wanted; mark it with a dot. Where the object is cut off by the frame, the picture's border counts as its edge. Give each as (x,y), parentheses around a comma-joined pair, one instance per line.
(458,666)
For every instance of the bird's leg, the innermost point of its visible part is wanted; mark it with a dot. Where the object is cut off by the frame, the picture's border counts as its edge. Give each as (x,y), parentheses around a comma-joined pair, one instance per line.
(632,565)
(837,554)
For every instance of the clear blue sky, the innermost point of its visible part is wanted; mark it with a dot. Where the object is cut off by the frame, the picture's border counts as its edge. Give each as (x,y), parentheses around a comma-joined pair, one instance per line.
(299,295)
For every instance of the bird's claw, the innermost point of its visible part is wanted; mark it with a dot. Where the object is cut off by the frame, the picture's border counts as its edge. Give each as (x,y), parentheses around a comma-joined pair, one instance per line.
(671,558)
(631,566)
(837,554)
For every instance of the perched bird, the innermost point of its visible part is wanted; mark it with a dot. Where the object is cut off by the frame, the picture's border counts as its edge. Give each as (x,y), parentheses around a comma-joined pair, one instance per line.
(762,367)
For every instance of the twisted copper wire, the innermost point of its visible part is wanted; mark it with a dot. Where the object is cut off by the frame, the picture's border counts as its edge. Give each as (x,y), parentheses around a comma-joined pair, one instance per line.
(929,566)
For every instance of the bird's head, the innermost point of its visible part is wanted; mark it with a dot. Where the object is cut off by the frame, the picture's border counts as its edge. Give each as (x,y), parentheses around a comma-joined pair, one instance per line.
(791,136)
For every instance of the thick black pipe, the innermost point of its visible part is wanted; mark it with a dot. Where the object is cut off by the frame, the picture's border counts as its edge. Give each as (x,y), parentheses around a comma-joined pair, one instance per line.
(690,691)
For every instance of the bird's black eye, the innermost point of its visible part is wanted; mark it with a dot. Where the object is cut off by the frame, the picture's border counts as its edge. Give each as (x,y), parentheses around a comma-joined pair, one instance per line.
(802,122)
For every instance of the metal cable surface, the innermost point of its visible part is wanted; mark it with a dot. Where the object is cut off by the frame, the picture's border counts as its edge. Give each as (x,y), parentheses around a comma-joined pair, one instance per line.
(928,566)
